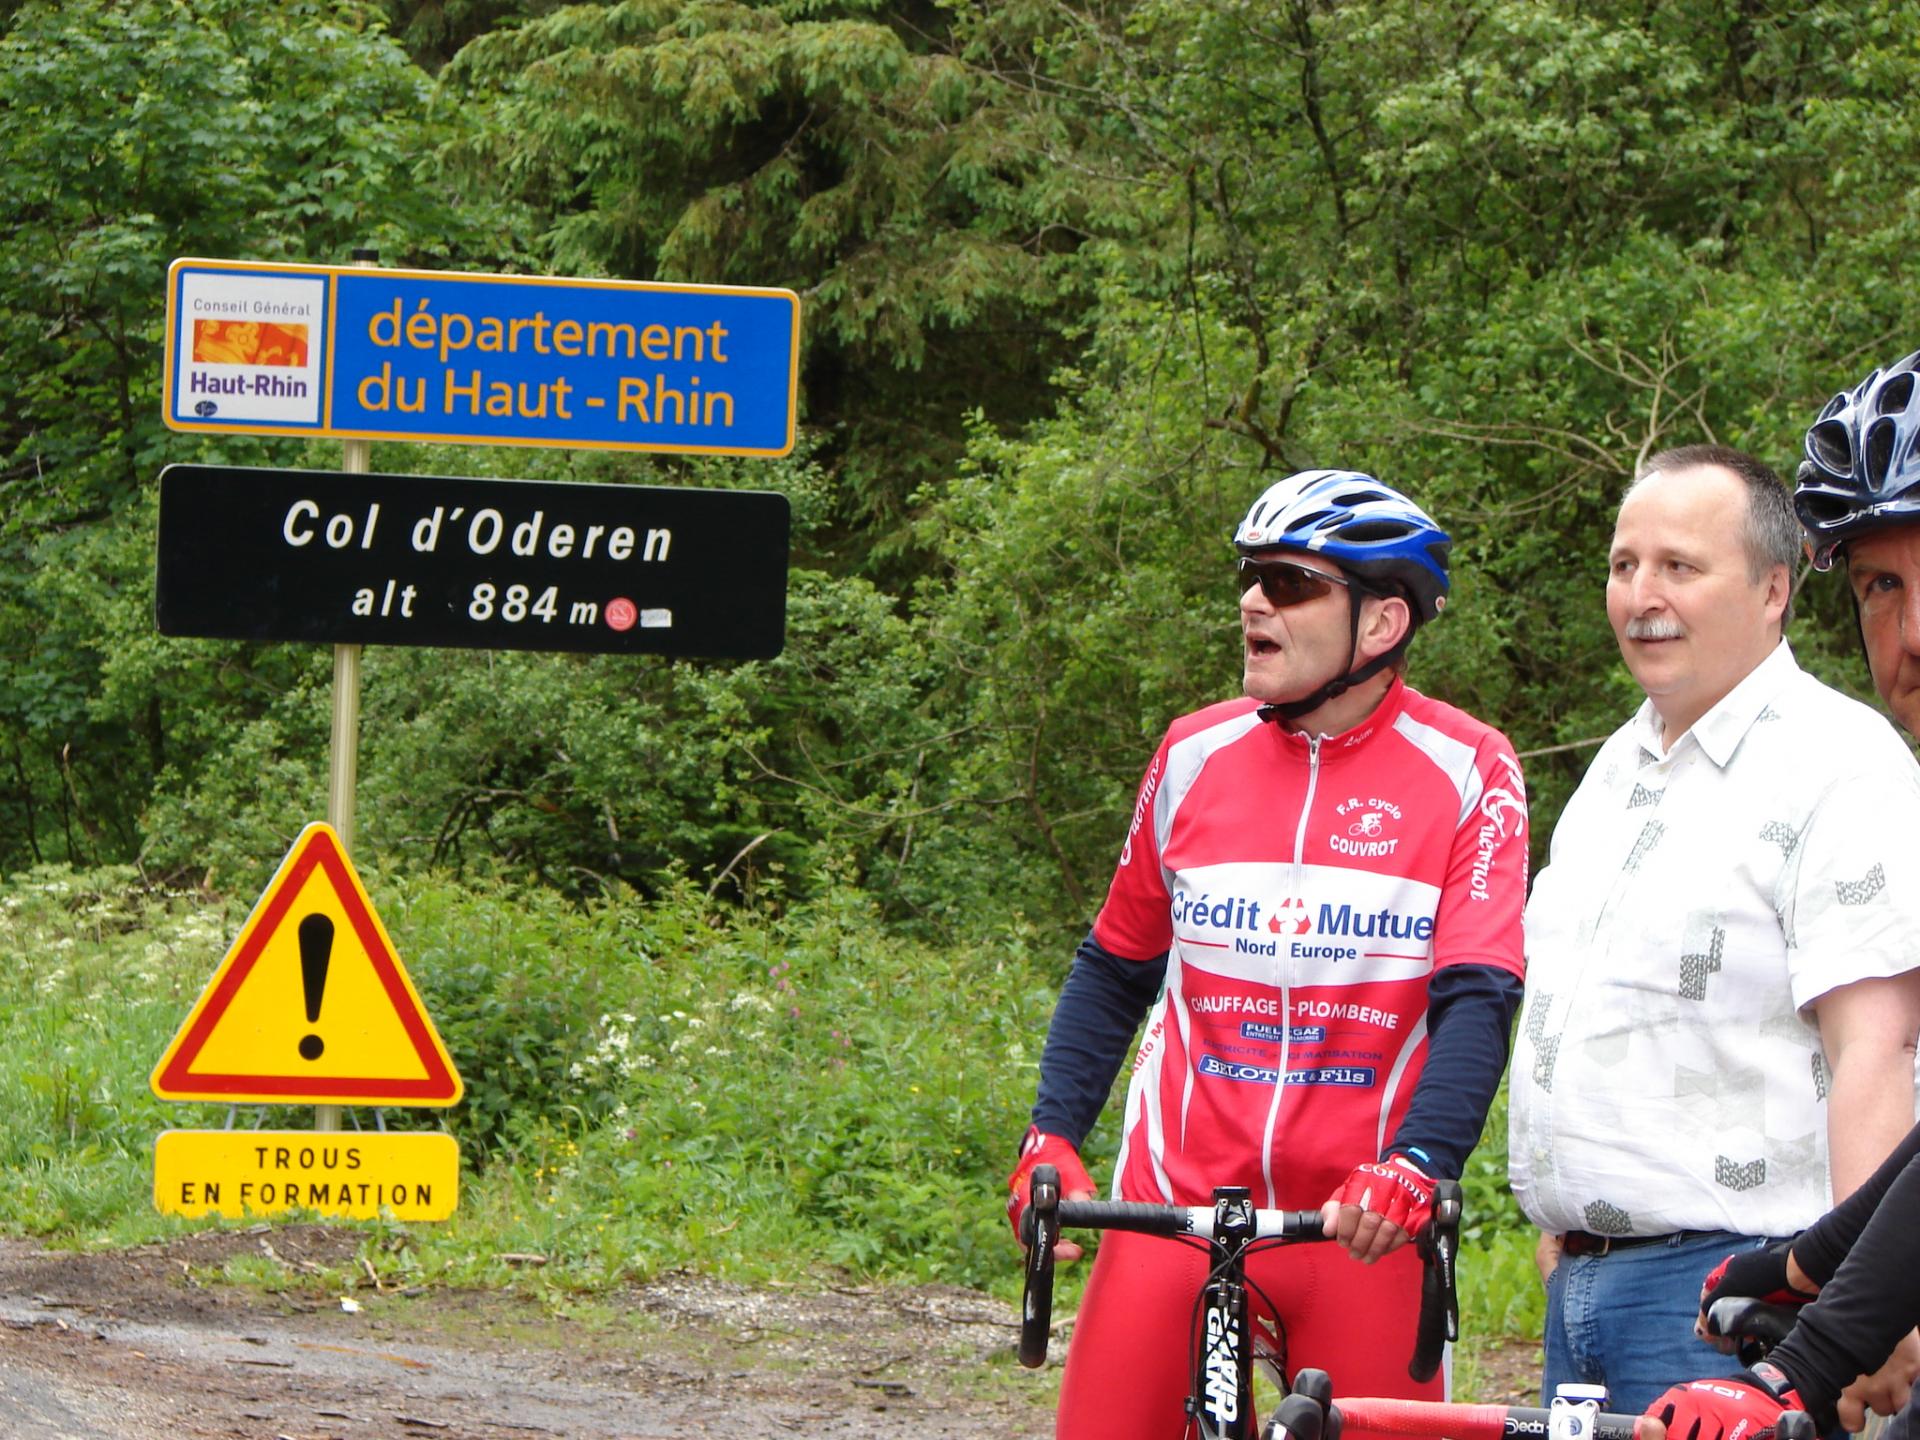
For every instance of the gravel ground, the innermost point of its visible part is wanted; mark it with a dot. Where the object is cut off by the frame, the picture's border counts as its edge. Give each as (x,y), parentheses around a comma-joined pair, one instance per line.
(140,1344)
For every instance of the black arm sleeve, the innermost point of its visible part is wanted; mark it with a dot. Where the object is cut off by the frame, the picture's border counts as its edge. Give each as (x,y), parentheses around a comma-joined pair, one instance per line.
(1101,1005)
(1863,1311)
(1820,1249)
(1470,1012)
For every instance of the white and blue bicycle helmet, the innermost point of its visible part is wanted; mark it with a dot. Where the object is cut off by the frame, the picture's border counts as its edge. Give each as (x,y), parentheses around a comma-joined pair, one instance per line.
(1862,469)
(1376,535)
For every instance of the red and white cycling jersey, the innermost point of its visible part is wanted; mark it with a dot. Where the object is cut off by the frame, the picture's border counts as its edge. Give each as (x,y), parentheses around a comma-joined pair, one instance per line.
(1305,890)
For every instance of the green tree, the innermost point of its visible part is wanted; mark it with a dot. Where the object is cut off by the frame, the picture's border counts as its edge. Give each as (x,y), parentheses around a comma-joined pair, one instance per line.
(1078,281)
(132,133)
(1495,253)
(865,153)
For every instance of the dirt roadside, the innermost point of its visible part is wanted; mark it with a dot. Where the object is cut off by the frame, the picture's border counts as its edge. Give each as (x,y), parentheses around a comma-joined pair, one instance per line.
(150,1344)
(147,1343)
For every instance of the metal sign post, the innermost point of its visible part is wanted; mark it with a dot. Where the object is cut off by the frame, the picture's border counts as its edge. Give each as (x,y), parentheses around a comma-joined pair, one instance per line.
(343,769)
(343,746)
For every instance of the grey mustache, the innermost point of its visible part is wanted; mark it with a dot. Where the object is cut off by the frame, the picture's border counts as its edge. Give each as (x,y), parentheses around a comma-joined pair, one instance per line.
(1653,628)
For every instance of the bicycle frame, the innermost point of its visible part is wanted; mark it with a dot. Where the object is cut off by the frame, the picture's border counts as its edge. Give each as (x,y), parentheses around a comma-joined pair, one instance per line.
(1220,1400)
(1220,1397)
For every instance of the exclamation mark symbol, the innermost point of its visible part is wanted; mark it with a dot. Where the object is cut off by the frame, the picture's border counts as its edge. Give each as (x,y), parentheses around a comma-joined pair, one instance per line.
(316,949)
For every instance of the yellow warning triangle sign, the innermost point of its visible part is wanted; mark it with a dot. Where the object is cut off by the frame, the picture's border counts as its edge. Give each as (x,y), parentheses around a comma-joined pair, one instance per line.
(311,1005)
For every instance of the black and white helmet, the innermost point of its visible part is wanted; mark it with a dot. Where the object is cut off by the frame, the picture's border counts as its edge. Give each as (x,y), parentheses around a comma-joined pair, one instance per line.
(1861,471)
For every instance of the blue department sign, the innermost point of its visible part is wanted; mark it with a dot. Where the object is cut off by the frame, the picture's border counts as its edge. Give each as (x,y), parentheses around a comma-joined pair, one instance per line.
(354,353)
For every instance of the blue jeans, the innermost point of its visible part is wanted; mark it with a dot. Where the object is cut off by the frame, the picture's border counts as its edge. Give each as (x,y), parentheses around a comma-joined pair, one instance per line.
(1625,1319)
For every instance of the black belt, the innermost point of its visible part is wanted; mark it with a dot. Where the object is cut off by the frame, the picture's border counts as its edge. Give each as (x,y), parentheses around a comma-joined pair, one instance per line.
(1583,1242)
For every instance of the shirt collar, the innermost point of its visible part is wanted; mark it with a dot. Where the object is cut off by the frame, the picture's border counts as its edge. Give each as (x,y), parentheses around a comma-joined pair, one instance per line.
(1720,731)
(1379,719)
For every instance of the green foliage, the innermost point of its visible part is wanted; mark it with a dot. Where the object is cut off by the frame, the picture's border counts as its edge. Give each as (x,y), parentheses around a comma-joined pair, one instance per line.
(99,970)
(1500,1286)
(594,775)
(138,132)
(646,1084)
(514,986)
(435,30)
(1496,254)
(743,1094)
(864,153)
(133,133)
(1078,282)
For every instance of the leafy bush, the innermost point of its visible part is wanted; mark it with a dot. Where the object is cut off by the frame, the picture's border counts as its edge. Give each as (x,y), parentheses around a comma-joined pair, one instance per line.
(646,1083)
(513,983)
(800,1083)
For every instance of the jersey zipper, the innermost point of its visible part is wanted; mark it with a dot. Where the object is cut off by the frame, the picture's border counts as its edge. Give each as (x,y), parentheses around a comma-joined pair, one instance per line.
(1285,967)
(1306,809)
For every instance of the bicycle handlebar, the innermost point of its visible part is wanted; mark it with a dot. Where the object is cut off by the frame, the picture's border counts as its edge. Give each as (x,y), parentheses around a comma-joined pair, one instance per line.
(1194,1220)
(1046,1213)
(1439,1320)
(1310,1413)
(1469,1422)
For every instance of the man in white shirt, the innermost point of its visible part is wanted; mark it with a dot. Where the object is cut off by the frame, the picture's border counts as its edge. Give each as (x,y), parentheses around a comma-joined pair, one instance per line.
(1722,992)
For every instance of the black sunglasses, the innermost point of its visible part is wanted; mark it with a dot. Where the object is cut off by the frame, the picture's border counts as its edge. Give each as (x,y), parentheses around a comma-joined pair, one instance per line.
(1286,582)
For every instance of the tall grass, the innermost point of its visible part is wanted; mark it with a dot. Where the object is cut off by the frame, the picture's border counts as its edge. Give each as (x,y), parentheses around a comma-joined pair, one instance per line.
(648,1086)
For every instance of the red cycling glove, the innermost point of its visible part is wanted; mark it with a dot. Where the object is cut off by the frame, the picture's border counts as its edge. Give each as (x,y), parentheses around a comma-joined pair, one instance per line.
(1741,1407)
(1396,1189)
(1042,1149)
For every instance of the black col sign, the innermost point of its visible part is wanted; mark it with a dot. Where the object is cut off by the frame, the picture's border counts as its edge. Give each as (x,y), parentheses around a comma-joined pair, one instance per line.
(345,559)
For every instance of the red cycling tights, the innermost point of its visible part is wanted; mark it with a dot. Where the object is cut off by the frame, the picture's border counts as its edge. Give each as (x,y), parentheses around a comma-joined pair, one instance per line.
(1129,1367)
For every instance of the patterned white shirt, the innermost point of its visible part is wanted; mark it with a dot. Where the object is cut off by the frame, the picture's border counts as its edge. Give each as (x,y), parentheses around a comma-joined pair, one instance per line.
(1668,1074)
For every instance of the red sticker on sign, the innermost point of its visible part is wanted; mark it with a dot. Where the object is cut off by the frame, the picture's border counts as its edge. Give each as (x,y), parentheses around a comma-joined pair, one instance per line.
(621,614)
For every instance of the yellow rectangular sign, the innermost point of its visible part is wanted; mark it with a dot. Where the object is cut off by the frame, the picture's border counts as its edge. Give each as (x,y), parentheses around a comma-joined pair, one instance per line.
(355,1174)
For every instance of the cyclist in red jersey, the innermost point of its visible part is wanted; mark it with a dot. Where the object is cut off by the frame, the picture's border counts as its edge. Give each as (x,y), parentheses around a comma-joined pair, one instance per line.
(1323,881)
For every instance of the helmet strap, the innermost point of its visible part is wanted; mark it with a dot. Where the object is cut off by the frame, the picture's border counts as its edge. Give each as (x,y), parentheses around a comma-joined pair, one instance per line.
(1294,709)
